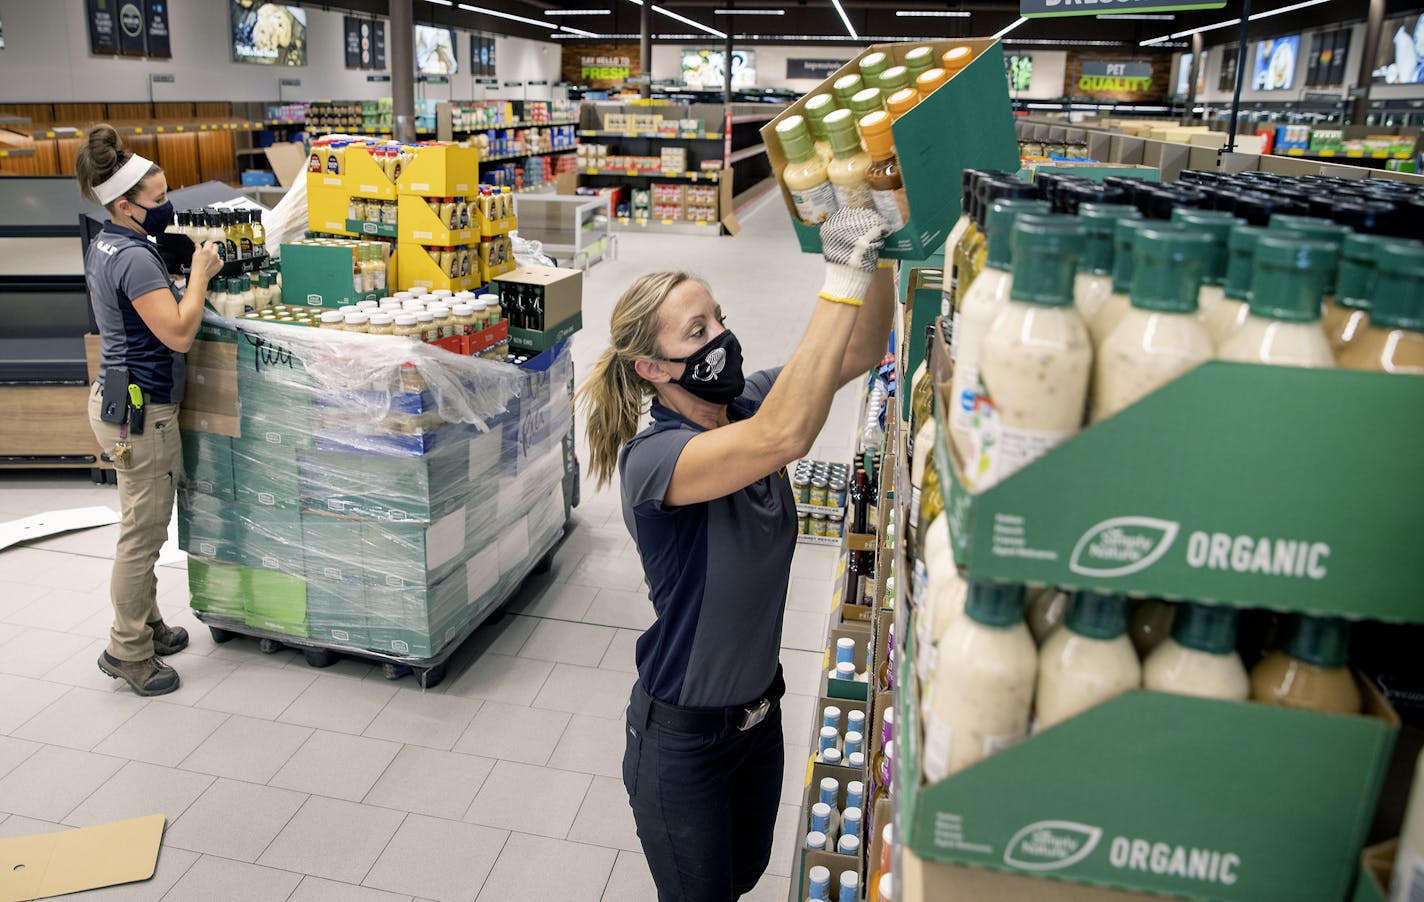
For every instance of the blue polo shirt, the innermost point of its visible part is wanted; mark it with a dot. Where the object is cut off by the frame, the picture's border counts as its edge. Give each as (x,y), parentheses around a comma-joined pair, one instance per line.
(717,571)
(122,265)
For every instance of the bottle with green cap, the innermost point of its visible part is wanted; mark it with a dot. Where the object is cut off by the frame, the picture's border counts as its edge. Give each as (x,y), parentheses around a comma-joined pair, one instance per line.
(1217,224)
(871,65)
(1037,357)
(983,302)
(1309,670)
(1200,657)
(1225,318)
(979,701)
(894,79)
(1315,229)
(1093,284)
(849,161)
(805,175)
(1287,284)
(919,61)
(1120,301)
(866,101)
(1394,341)
(817,109)
(1088,661)
(846,87)
(1347,314)
(1160,337)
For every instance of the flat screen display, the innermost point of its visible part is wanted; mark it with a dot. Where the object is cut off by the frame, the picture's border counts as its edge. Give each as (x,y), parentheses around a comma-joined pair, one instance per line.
(268,34)
(1020,69)
(1400,59)
(1275,64)
(704,68)
(435,51)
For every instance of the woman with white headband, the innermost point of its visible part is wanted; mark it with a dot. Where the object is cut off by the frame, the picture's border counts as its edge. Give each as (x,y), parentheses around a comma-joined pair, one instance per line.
(146,323)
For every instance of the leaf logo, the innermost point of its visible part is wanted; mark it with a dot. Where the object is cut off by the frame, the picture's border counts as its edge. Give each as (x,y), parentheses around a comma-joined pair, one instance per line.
(1051,845)
(1122,545)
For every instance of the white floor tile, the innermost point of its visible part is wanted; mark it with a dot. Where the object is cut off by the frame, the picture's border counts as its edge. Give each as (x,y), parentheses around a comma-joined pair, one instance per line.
(35,652)
(805,593)
(17,825)
(787,833)
(513,733)
(13,752)
(605,818)
(631,881)
(14,594)
(622,652)
(81,718)
(431,782)
(9,631)
(317,889)
(24,698)
(556,600)
(803,630)
(338,703)
(591,745)
(597,540)
(586,690)
(503,638)
(53,781)
(333,839)
(337,765)
(567,643)
(618,607)
(140,789)
(797,714)
(61,609)
(75,573)
(607,572)
(162,733)
(529,799)
(82,669)
(234,819)
(246,748)
(501,678)
(424,718)
(438,859)
(797,769)
(770,888)
(540,869)
(213,879)
(197,676)
(173,863)
(802,671)
(263,692)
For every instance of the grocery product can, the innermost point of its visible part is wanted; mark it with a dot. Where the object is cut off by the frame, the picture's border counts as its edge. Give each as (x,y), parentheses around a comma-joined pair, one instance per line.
(820,491)
(835,524)
(804,525)
(837,492)
(818,524)
(801,485)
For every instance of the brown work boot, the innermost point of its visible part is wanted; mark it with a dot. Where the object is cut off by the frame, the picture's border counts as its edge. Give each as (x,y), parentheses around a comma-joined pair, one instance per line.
(148,677)
(169,640)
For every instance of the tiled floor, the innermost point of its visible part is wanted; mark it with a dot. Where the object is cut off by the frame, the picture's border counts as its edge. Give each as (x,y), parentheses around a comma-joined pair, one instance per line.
(284,782)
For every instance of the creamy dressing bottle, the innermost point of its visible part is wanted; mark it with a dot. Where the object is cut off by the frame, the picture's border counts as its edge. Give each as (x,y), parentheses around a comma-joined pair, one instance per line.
(1044,611)
(1309,671)
(1149,624)
(846,87)
(1218,224)
(805,173)
(1093,283)
(817,109)
(946,593)
(1119,302)
(1407,884)
(1224,318)
(1315,229)
(871,65)
(982,692)
(1200,657)
(919,61)
(1160,337)
(1283,328)
(983,302)
(849,161)
(1037,358)
(1394,341)
(1347,314)
(1087,662)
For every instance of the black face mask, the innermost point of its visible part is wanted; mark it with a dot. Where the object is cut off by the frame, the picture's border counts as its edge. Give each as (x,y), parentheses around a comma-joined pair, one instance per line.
(714,372)
(157,219)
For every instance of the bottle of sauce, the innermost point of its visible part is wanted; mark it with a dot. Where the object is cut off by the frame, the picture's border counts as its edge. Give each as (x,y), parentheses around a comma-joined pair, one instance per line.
(872,65)
(382,324)
(1222,318)
(1087,662)
(428,330)
(1394,341)
(1218,224)
(1309,671)
(1093,284)
(865,102)
(955,59)
(1407,884)
(408,326)
(983,684)
(901,102)
(1044,611)
(464,319)
(887,188)
(443,324)
(1037,357)
(805,173)
(983,302)
(1283,328)
(816,110)
(919,61)
(1149,623)
(846,87)
(1160,337)
(259,232)
(356,322)
(850,163)
(896,78)
(1200,656)
(1116,305)
(929,80)
(942,604)
(1347,314)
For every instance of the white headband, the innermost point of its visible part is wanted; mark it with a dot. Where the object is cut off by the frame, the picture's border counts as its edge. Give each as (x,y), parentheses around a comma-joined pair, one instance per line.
(118,184)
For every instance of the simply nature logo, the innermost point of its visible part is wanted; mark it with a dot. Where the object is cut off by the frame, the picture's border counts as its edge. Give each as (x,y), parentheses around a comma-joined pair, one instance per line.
(1122,545)
(1051,845)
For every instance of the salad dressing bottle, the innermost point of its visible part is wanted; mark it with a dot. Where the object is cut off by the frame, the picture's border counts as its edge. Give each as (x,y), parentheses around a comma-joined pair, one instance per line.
(1283,328)
(1394,341)
(919,61)
(872,65)
(1093,283)
(1200,656)
(955,59)
(1218,224)
(1224,317)
(887,188)
(850,163)
(1309,671)
(929,80)
(1119,301)
(1087,662)
(1160,337)
(1347,314)
(817,109)
(894,79)
(805,173)
(846,87)
(866,101)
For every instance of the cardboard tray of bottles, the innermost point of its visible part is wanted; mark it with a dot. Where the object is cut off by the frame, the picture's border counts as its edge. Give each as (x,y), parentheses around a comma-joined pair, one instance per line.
(931,150)
(1225,485)
(318,276)
(1168,794)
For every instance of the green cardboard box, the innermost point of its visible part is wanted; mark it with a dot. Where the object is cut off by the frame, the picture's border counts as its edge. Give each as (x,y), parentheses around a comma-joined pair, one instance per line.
(412,555)
(921,288)
(933,142)
(319,276)
(1376,869)
(270,538)
(207,464)
(266,475)
(275,601)
(338,612)
(333,549)
(417,621)
(208,527)
(534,340)
(215,587)
(275,391)
(378,487)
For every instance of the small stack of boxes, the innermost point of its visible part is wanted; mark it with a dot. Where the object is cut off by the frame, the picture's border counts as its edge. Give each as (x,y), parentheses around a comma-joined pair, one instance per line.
(437,229)
(669,201)
(674,159)
(701,203)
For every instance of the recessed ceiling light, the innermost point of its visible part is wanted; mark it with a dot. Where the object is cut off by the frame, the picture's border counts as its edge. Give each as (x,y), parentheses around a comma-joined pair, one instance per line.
(578,12)
(748,12)
(933,13)
(1230,22)
(1008,28)
(494,12)
(844,18)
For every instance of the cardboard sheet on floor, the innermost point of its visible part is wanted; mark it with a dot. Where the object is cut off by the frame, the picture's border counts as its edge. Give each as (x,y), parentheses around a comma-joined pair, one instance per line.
(72,861)
(52,523)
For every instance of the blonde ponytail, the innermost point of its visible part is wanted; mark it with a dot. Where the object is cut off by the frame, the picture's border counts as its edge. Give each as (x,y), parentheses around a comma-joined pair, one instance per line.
(613,395)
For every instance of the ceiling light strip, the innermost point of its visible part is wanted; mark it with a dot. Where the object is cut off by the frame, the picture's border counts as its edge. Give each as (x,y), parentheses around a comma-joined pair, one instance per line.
(513,18)
(748,12)
(578,12)
(933,13)
(1008,28)
(1230,22)
(850,29)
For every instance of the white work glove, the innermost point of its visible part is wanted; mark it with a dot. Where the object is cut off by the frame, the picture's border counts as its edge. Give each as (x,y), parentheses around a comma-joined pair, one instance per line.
(851,240)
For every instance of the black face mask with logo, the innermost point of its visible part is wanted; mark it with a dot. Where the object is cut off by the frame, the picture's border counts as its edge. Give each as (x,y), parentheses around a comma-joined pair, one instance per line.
(714,372)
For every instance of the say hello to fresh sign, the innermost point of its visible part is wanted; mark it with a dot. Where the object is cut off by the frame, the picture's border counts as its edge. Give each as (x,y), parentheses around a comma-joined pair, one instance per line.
(1032,8)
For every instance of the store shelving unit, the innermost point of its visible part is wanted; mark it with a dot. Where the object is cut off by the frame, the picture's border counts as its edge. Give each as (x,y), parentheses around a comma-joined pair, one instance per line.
(667,226)
(574,230)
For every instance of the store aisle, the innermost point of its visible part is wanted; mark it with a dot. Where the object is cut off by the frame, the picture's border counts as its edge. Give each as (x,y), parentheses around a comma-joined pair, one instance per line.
(284,782)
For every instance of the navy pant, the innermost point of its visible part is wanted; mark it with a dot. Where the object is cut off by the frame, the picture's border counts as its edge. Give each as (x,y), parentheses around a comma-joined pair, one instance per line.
(705,804)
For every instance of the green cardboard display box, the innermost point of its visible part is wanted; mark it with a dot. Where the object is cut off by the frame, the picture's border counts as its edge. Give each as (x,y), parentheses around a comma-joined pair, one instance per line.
(207,464)
(275,601)
(320,276)
(923,288)
(338,613)
(208,527)
(266,475)
(413,555)
(270,538)
(966,124)
(275,392)
(215,587)
(395,489)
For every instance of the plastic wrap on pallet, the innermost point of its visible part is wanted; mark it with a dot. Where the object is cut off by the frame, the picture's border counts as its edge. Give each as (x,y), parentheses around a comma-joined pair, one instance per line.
(380,494)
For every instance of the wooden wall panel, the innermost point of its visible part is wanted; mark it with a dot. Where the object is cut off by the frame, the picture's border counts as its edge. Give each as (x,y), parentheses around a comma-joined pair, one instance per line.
(178,155)
(130,111)
(216,157)
(172,110)
(143,145)
(40,113)
(218,108)
(79,112)
(66,149)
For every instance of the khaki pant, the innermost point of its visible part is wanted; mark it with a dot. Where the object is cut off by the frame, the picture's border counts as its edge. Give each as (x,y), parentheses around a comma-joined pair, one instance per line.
(147,486)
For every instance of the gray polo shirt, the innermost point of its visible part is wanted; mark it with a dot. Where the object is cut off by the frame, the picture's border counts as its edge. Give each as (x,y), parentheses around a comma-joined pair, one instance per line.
(717,571)
(122,265)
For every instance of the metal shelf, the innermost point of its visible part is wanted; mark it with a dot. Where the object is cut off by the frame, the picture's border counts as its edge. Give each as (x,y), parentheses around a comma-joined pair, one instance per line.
(151,128)
(666,226)
(17,152)
(1344,154)
(594,133)
(530,153)
(746,153)
(713,176)
(481,128)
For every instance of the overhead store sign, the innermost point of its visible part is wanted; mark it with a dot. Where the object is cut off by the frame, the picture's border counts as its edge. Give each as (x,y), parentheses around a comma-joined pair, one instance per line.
(1098,76)
(1032,8)
(600,65)
(817,69)
(1113,77)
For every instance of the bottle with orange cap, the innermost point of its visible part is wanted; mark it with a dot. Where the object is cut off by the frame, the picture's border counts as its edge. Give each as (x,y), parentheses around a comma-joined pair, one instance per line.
(901,102)
(956,58)
(848,168)
(887,186)
(929,80)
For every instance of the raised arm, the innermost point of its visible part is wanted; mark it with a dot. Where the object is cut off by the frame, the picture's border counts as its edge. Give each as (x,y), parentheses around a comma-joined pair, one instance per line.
(870,338)
(177,324)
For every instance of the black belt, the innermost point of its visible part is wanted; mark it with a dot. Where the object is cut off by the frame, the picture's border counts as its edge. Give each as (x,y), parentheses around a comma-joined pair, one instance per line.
(644,709)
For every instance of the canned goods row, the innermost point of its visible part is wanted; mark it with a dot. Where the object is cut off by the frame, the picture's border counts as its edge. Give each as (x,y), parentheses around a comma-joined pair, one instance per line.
(820,485)
(827,525)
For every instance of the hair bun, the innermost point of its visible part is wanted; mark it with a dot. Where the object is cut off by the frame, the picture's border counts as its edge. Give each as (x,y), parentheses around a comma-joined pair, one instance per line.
(104,146)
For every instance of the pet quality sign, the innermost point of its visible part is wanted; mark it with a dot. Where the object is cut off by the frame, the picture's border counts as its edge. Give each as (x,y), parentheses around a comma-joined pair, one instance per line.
(1101,75)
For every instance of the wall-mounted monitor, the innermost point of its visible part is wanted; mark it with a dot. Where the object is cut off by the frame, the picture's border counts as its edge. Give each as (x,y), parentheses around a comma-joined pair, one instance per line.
(1020,71)
(435,51)
(1275,64)
(704,69)
(1400,59)
(269,34)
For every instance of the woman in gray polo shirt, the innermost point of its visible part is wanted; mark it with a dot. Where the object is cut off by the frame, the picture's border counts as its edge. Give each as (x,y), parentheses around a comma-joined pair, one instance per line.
(145,325)
(707,500)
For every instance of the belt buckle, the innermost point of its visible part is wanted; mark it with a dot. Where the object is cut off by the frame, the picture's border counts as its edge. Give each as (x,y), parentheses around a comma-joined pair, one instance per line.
(754,714)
